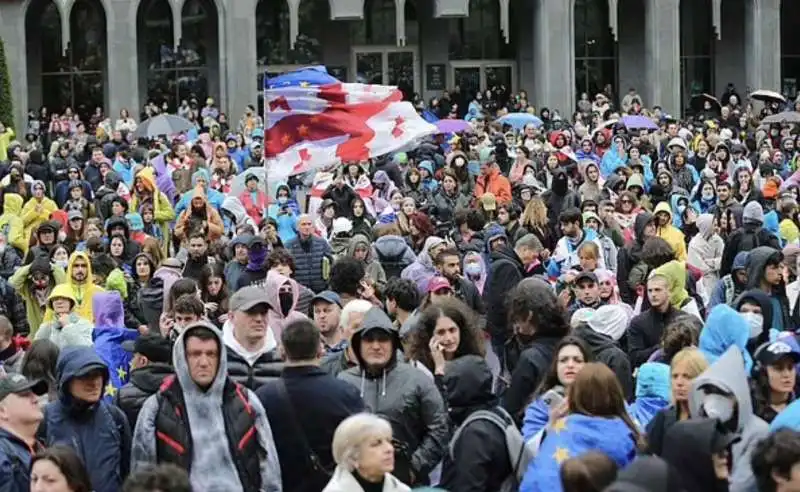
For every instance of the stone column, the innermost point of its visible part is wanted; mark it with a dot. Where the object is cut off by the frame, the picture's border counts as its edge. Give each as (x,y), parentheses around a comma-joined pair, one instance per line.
(12,30)
(121,62)
(662,53)
(238,62)
(554,59)
(763,42)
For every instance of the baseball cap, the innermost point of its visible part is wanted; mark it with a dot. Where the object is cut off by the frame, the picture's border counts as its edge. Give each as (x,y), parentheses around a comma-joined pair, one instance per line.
(486,154)
(438,283)
(771,353)
(586,276)
(17,383)
(328,296)
(256,240)
(489,201)
(74,214)
(249,297)
(154,347)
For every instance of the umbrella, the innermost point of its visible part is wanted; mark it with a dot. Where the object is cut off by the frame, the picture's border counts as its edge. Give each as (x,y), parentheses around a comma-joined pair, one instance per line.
(780,118)
(698,103)
(238,184)
(453,126)
(604,125)
(638,122)
(163,124)
(767,96)
(520,120)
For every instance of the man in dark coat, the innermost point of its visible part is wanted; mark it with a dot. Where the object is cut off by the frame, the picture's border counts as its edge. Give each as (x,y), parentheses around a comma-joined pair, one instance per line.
(303,433)
(152,355)
(448,263)
(309,252)
(629,256)
(644,333)
(20,415)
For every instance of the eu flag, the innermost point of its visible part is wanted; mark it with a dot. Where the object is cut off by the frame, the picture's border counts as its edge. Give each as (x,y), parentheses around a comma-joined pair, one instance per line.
(573,436)
(108,342)
(308,76)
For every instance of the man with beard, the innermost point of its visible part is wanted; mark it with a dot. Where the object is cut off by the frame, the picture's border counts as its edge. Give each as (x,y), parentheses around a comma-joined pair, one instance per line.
(79,278)
(34,283)
(200,217)
(448,264)
(197,256)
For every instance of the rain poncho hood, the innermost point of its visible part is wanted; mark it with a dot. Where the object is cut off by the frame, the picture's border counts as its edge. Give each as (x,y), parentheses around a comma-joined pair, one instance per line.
(108,309)
(278,318)
(675,273)
(724,329)
(652,392)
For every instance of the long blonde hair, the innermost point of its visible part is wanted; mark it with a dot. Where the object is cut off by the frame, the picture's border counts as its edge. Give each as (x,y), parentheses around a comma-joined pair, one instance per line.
(692,360)
(535,214)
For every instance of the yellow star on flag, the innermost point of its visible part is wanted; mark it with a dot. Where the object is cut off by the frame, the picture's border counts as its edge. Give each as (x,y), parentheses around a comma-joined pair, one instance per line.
(561,455)
(287,139)
(304,84)
(302,130)
(121,372)
(560,425)
(110,390)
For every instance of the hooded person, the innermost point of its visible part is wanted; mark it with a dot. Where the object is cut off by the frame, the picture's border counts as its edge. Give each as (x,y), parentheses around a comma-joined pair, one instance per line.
(705,251)
(667,231)
(34,283)
(756,308)
(402,394)
(361,246)
(675,273)
(202,421)
(748,237)
(145,190)
(67,329)
(728,288)
(698,448)
(200,178)
(340,236)
(478,458)
(81,282)
(652,392)
(629,256)
(255,272)
(394,254)
(11,223)
(80,419)
(199,215)
(285,211)
(723,329)
(37,209)
(721,392)
(559,197)
(647,474)
(592,182)
(422,270)
(764,272)
(282,293)
(120,226)
(602,333)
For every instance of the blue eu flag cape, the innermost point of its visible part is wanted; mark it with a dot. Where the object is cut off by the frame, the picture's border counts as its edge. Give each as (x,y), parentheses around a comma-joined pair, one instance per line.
(108,342)
(308,76)
(573,436)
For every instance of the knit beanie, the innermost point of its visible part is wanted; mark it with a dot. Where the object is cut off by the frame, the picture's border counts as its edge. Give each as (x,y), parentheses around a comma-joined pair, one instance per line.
(753,213)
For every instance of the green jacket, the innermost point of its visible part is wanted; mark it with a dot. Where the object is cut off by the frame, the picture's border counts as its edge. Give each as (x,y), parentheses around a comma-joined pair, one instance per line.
(20,283)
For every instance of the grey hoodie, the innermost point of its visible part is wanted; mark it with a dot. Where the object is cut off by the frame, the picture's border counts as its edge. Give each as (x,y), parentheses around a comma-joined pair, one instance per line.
(404,396)
(728,374)
(213,469)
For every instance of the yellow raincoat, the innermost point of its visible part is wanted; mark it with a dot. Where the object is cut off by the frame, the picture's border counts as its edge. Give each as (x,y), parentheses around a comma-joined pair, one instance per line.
(33,217)
(163,213)
(11,223)
(82,292)
(670,233)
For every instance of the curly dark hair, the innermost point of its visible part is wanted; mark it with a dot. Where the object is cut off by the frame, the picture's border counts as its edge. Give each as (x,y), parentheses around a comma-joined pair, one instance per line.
(656,252)
(346,275)
(533,300)
(775,456)
(683,331)
(280,256)
(470,342)
(551,378)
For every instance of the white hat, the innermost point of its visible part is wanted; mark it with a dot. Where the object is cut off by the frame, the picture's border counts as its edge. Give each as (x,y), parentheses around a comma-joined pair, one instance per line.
(341,225)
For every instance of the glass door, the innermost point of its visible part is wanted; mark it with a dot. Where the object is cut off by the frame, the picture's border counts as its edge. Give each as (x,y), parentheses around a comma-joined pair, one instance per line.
(481,75)
(387,65)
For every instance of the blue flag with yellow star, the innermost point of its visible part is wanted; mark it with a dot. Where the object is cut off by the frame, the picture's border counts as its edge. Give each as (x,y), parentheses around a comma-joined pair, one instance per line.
(573,436)
(108,342)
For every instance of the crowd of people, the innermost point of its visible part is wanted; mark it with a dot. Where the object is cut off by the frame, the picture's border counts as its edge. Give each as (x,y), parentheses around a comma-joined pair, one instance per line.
(577,304)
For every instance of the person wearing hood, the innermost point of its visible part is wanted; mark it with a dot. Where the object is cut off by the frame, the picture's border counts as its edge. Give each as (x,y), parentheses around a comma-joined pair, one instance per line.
(428,183)
(145,191)
(282,293)
(12,224)
(653,392)
(592,183)
(666,230)
(120,227)
(255,270)
(80,282)
(746,238)
(360,248)
(765,273)
(602,332)
(559,198)
(341,231)
(201,178)
(201,217)
(151,364)
(38,208)
(491,179)
(705,251)
(422,270)
(676,275)
(250,341)
(392,251)
(723,329)
(647,474)
(34,283)
(629,256)
(67,329)
(202,421)
(82,420)
(756,308)
(478,459)
(700,448)
(728,288)
(722,393)
(285,210)
(239,247)
(405,396)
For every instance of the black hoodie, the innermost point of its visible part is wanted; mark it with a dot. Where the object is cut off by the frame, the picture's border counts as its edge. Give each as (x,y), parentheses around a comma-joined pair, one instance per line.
(628,257)
(755,296)
(480,458)
(559,198)
(608,352)
(647,474)
(505,272)
(688,447)
(756,266)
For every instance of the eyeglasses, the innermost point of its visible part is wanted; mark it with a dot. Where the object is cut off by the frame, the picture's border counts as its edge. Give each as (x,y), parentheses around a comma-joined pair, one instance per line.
(626,200)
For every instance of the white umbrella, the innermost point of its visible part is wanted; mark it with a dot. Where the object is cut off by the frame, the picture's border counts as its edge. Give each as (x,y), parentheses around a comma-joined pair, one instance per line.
(605,124)
(767,96)
(163,124)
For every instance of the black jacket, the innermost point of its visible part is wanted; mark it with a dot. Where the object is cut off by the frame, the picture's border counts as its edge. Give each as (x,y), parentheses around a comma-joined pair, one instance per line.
(658,427)
(334,401)
(467,292)
(688,447)
(266,368)
(628,257)
(505,272)
(144,382)
(745,238)
(644,334)
(607,351)
(530,370)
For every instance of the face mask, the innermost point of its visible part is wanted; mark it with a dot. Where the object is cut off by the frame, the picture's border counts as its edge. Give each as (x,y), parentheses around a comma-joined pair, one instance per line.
(529,180)
(287,300)
(718,407)
(756,323)
(282,200)
(708,195)
(62,263)
(62,236)
(472,269)
(681,209)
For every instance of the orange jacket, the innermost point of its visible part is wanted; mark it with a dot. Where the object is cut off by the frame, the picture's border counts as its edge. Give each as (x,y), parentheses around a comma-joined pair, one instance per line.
(494,183)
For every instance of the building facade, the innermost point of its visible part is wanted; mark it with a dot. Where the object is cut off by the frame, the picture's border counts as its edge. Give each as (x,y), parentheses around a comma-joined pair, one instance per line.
(119,54)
